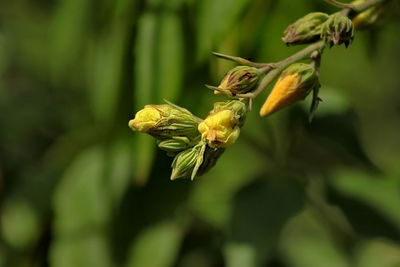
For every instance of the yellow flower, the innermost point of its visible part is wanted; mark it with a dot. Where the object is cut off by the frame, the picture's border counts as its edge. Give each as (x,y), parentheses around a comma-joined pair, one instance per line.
(220,129)
(145,119)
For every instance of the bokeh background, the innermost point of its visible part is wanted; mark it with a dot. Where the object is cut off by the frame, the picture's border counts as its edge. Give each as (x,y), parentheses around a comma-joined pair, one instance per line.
(78,188)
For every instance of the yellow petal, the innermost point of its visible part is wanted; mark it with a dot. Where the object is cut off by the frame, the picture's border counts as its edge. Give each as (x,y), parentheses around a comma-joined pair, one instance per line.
(145,119)
(285,92)
(219,129)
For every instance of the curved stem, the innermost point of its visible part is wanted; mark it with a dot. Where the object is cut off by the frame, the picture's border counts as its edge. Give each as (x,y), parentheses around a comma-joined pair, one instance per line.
(281,65)
(272,70)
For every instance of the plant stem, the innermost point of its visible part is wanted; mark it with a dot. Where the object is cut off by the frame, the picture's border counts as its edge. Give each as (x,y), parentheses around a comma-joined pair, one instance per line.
(272,70)
(279,66)
(339,4)
(241,61)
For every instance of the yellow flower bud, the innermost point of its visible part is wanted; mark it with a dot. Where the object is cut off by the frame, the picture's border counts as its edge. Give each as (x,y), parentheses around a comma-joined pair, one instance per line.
(220,129)
(281,95)
(294,84)
(374,16)
(145,119)
(166,121)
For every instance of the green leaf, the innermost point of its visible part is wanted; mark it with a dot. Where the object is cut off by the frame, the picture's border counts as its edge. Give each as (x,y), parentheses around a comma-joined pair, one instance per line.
(20,226)
(120,168)
(144,152)
(231,11)
(377,252)
(81,250)
(156,246)
(144,90)
(214,20)
(68,27)
(145,60)
(238,255)
(378,191)
(170,57)
(307,242)
(81,213)
(256,220)
(211,198)
(81,199)
(106,71)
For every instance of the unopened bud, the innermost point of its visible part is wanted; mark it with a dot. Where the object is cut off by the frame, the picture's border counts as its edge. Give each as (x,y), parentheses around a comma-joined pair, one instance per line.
(338,29)
(238,108)
(221,128)
(165,121)
(373,16)
(185,162)
(175,144)
(305,30)
(195,161)
(293,85)
(239,80)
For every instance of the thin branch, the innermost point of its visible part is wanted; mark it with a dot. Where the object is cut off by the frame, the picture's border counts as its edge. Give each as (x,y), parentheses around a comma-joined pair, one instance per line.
(279,66)
(339,4)
(241,61)
(215,88)
(272,70)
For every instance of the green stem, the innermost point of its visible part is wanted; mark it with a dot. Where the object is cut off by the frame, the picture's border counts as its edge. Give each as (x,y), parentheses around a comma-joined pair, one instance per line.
(339,4)
(280,66)
(272,70)
(241,61)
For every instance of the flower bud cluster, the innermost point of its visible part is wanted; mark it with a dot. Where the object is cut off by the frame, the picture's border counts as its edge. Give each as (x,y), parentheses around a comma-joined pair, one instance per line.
(195,144)
(335,29)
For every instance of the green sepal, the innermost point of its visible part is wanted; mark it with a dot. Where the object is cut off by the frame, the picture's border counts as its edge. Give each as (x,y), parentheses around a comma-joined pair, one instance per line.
(306,29)
(238,107)
(338,29)
(241,79)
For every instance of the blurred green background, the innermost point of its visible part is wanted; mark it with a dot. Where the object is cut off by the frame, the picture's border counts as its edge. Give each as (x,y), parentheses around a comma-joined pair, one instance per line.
(78,188)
